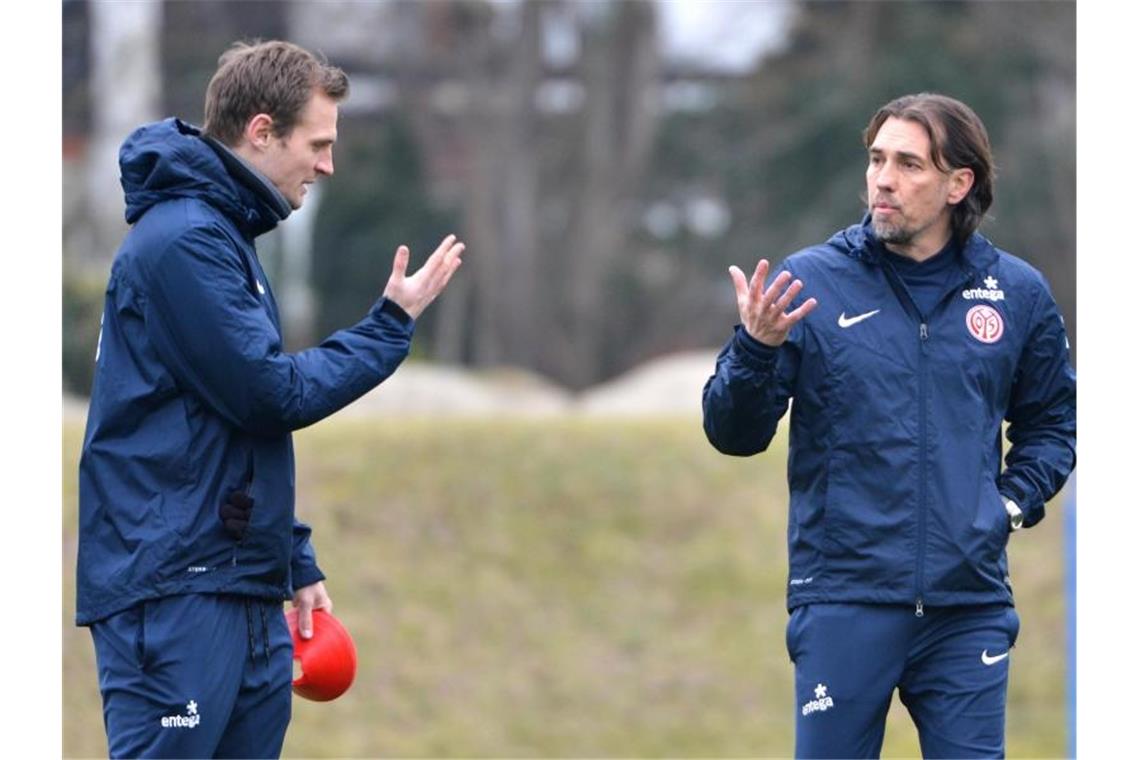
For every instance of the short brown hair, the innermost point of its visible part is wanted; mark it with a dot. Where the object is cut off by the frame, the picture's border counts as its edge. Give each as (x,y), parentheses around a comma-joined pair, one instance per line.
(958,140)
(275,78)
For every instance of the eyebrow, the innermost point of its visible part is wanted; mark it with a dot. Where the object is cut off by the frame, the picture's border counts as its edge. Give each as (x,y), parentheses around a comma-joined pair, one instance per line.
(901,154)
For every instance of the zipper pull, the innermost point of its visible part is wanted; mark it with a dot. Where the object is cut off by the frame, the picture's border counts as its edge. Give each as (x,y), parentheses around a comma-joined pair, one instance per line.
(918,607)
(922,332)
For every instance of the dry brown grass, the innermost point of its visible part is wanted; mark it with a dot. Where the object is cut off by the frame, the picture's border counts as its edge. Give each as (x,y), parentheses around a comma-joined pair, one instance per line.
(566,587)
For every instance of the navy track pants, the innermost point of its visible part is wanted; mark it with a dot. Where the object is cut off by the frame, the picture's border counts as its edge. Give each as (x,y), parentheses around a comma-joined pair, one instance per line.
(950,666)
(195,675)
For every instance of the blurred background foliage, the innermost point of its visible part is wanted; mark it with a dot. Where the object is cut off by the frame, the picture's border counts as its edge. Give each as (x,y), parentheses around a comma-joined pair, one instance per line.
(364,212)
(603,181)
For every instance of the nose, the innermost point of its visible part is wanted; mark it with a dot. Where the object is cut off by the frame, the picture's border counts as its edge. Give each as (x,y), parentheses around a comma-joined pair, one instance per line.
(325,163)
(886,176)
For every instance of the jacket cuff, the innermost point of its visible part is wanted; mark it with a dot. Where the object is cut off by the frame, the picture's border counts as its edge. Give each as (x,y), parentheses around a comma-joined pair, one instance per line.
(752,352)
(306,575)
(1026,498)
(386,306)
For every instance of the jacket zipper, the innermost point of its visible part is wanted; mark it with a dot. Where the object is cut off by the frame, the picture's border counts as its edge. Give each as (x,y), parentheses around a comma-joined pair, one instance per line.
(920,569)
(909,305)
(923,335)
(248,488)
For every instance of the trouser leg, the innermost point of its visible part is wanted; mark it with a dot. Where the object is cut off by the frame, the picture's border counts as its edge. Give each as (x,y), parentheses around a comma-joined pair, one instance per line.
(169,672)
(848,658)
(955,683)
(264,702)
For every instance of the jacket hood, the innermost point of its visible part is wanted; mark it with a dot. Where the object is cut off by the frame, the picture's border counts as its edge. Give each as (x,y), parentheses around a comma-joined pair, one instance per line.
(170,159)
(859,242)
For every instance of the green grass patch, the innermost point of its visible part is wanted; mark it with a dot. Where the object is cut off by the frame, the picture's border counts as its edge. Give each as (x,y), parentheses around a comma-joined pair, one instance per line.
(565,588)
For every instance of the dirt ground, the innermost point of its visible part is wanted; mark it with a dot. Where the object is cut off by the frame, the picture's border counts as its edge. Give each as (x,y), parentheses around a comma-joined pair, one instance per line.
(667,386)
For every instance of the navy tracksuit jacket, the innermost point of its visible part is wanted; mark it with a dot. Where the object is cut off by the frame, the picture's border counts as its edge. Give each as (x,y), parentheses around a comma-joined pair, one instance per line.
(194,395)
(894,463)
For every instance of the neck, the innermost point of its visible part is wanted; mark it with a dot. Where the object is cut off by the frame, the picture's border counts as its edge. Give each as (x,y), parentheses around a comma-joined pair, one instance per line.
(922,246)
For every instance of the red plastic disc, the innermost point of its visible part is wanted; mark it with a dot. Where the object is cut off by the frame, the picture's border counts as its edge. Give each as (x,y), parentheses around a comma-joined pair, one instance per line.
(328,660)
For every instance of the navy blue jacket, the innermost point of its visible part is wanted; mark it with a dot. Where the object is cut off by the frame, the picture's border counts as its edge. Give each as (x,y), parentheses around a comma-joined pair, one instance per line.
(894,462)
(193,394)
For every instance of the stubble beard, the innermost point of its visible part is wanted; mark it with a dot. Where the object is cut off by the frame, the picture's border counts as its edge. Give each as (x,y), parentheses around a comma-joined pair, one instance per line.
(892,233)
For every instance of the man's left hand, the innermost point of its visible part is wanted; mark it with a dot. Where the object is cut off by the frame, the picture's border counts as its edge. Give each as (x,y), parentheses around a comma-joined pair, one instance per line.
(307,599)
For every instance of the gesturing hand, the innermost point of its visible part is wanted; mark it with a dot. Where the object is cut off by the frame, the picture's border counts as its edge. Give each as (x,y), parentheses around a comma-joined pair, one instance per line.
(762,310)
(413,294)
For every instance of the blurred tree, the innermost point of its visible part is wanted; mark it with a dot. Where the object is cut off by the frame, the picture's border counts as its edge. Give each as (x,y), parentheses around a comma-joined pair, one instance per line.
(500,197)
(611,147)
(82,319)
(76,69)
(555,147)
(604,189)
(786,151)
(377,202)
(194,36)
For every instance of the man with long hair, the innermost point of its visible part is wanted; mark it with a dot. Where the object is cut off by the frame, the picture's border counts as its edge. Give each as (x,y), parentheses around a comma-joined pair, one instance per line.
(918,339)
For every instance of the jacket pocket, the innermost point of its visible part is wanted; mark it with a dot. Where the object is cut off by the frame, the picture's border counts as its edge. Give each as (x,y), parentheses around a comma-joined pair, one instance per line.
(1013,625)
(992,520)
(792,631)
(140,634)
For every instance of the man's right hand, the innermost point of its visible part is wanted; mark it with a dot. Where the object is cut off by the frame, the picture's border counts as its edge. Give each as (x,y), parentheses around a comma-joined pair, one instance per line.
(762,309)
(414,294)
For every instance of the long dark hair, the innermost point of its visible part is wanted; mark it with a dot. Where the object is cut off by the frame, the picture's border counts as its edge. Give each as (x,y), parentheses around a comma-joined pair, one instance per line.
(958,140)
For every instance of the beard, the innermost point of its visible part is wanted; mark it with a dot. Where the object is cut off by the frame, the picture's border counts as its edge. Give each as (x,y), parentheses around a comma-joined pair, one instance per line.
(892,233)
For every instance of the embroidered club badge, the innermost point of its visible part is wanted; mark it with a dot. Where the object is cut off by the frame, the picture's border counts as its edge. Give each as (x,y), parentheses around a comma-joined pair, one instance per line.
(985,324)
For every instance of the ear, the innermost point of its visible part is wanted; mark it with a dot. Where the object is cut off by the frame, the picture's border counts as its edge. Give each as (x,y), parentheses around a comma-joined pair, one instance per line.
(961,180)
(259,131)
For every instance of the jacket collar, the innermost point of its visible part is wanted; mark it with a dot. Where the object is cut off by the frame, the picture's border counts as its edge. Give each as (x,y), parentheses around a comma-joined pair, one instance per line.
(860,243)
(244,173)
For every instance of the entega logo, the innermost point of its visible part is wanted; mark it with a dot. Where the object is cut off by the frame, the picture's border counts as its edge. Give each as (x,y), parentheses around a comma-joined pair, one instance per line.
(190,720)
(821,702)
(989,293)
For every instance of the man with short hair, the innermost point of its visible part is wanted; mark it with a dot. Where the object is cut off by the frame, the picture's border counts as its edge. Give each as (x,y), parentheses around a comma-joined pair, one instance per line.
(188,542)
(919,339)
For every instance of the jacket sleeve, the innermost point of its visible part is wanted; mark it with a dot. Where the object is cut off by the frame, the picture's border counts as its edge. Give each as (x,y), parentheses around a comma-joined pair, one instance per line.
(1042,416)
(748,394)
(304,562)
(218,340)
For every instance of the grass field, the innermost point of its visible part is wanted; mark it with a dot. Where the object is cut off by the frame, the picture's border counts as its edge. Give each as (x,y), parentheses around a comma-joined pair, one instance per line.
(565,588)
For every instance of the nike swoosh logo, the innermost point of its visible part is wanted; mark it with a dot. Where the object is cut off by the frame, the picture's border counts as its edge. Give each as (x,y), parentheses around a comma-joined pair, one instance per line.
(845,322)
(987,660)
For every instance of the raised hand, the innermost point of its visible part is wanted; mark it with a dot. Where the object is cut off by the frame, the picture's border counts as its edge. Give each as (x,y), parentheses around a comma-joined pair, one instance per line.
(414,294)
(762,309)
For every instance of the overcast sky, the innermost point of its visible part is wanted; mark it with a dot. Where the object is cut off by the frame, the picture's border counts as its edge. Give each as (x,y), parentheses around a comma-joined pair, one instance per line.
(723,34)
